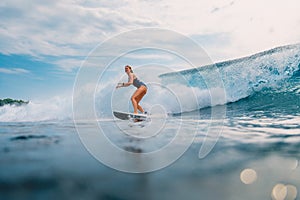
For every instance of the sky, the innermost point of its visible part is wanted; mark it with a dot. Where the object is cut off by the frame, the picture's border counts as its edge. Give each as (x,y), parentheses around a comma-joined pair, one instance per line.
(44,43)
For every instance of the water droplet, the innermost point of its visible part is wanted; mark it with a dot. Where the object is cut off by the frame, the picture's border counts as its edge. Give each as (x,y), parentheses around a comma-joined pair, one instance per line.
(248,176)
(284,192)
(291,192)
(279,192)
(295,164)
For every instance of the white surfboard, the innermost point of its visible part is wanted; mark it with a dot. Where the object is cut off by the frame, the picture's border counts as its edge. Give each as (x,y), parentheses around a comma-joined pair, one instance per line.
(128,116)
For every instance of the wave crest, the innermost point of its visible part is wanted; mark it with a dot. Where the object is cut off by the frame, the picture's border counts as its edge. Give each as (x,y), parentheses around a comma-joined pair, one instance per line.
(241,77)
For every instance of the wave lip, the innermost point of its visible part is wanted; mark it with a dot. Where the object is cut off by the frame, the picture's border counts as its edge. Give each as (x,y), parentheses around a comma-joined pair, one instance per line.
(244,76)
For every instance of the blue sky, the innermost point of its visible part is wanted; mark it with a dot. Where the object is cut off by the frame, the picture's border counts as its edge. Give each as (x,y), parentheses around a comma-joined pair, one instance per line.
(43,43)
(25,77)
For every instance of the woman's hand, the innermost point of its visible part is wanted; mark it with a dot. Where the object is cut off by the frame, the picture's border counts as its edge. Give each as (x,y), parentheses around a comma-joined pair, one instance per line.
(119,85)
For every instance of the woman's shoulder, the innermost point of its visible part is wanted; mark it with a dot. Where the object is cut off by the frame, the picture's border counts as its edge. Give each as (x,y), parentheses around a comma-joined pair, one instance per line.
(133,75)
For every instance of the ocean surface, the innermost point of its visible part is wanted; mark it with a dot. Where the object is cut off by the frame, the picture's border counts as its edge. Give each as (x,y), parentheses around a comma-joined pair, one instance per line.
(243,144)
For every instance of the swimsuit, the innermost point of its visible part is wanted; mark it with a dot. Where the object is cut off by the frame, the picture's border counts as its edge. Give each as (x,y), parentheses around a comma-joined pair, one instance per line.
(137,83)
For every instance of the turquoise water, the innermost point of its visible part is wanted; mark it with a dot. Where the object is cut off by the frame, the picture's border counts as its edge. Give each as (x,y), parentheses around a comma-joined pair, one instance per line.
(250,151)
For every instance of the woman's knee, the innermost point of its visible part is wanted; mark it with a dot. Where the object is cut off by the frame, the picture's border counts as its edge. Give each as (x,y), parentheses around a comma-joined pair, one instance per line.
(133,98)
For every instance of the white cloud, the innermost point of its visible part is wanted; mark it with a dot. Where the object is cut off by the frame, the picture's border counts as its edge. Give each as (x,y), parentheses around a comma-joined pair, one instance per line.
(251,26)
(61,27)
(74,27)
(14,71)
(68,64)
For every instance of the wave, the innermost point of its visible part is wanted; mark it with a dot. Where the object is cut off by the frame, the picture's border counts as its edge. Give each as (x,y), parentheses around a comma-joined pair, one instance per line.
(57,108)
(241,78)
(263,75)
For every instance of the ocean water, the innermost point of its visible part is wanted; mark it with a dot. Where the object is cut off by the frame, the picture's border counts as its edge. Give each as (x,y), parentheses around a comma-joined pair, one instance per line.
(243,144)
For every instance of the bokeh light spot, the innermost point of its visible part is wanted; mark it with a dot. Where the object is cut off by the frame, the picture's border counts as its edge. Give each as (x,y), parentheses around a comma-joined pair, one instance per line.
(248,176)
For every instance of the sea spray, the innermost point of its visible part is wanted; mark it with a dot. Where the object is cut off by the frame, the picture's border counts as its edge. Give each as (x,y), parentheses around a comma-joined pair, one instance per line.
(241,77)
(57,108)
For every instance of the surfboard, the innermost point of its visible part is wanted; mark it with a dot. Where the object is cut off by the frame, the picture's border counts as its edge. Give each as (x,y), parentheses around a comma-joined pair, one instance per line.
(128,116)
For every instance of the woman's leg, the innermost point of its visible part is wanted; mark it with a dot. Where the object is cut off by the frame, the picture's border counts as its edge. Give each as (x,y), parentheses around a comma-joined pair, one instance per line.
(136,98)
(139,98)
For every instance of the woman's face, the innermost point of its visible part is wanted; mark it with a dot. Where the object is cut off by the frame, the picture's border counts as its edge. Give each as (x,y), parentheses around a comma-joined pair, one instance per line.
(127,69)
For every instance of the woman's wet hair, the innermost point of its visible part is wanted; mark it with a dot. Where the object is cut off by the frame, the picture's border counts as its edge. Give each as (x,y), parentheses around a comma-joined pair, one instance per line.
(129,68)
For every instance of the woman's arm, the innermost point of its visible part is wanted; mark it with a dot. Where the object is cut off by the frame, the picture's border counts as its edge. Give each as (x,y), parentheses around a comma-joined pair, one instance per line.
(130,81)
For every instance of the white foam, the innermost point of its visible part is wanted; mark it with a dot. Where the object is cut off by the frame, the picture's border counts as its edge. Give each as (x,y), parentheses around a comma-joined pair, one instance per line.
(57,108)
